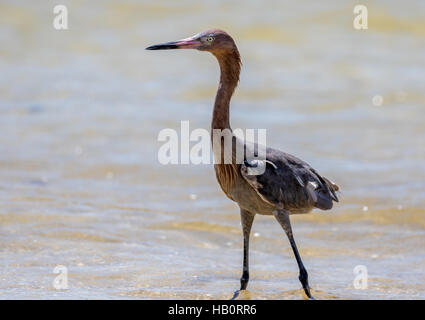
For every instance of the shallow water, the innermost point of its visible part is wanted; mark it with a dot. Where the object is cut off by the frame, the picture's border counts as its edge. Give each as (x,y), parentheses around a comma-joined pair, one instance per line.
(81,186)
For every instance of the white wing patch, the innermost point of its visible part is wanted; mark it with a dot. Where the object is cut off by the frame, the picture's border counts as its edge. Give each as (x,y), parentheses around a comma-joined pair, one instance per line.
(311,187)
(257,167)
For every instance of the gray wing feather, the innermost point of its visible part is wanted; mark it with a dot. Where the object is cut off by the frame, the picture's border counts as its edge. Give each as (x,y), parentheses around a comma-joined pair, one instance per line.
(291,183)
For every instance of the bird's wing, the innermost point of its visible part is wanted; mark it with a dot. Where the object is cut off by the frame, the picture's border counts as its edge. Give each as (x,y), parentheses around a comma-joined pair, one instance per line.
(288,182)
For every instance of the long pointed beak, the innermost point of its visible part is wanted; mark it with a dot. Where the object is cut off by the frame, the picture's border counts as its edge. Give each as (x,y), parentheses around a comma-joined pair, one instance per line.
(188,43)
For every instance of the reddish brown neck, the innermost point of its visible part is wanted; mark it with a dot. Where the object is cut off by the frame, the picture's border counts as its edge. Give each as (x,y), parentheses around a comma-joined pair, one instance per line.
(230,66)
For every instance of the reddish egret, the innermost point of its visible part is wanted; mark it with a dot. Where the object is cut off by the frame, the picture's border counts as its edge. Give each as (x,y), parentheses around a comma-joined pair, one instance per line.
(287,186)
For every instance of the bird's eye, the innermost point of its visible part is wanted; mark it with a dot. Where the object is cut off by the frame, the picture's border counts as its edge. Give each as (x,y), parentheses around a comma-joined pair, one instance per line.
(210,39)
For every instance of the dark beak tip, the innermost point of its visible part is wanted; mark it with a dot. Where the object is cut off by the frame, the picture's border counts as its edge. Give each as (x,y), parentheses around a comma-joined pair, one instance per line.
(163,46)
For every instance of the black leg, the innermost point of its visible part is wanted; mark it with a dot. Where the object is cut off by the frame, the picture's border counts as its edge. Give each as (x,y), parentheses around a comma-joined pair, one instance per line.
(247,219)
(282,217)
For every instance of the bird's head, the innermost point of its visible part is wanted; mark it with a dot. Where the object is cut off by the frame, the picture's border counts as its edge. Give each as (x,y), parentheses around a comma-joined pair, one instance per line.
(215,41)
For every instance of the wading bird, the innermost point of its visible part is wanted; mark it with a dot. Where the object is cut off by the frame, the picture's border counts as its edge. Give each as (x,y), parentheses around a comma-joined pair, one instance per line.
(287,185)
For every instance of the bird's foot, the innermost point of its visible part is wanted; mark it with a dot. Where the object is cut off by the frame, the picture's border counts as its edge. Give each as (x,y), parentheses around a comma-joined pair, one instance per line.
(236,294)
(242,295)
(308,293)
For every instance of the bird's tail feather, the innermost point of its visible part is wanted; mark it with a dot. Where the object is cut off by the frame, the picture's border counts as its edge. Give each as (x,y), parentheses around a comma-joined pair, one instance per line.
(332,188)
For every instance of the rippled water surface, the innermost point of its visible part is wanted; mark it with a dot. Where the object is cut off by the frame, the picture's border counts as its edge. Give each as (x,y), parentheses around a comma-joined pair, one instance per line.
(81,186)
